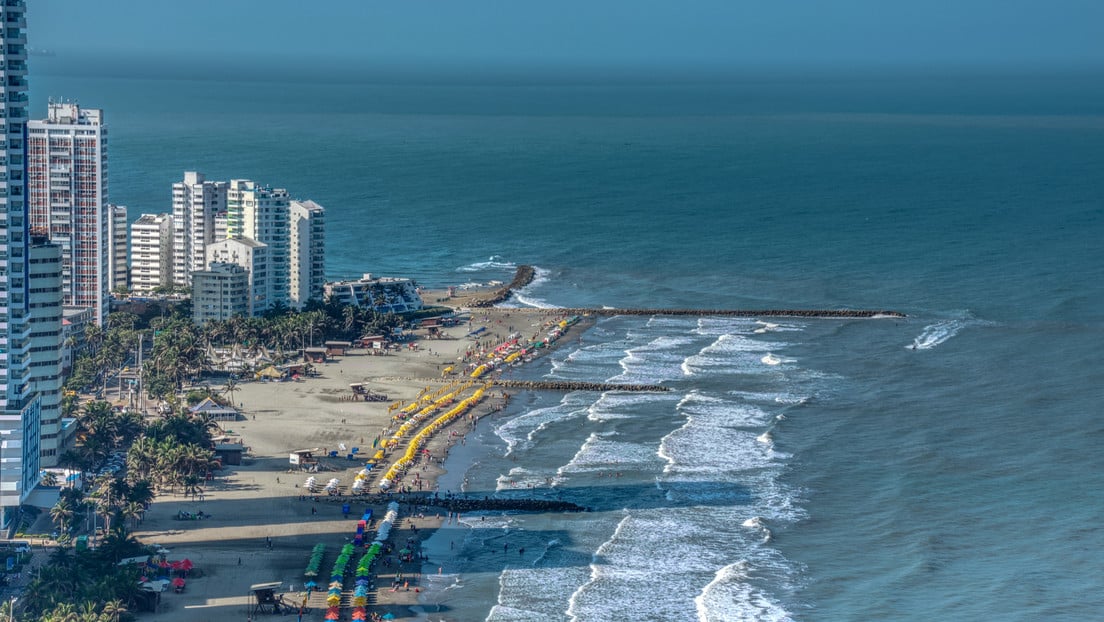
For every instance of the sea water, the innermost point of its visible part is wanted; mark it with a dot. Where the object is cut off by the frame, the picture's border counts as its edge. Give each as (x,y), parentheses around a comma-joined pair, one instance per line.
(943,466)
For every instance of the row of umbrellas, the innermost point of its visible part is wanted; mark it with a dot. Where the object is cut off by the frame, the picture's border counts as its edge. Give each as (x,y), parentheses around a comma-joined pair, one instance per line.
(359,613)
(315,560)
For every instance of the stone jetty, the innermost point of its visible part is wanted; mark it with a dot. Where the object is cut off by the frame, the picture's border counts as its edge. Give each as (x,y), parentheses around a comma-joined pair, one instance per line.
(456,504)
(559,385)
(543,385)
(522,277)
(803,313)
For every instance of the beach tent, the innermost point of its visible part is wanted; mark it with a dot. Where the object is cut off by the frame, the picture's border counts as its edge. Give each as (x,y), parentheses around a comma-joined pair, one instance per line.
(270,372)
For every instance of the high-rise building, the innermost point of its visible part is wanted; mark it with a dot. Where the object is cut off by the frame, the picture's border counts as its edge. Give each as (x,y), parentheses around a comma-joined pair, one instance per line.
(308,252)
(261,213)
(197,204)
(255,258)
(117,274)
(151,253)
(46,340)
(67,196)
(220,293)
(20,402)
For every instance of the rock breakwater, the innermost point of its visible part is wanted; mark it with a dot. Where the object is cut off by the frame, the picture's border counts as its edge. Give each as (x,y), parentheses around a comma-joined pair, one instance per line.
(543,385)
(501,505)
(803,313)
(522,277)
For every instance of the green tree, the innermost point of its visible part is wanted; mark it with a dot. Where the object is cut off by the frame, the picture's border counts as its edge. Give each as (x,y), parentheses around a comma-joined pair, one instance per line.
(114,609)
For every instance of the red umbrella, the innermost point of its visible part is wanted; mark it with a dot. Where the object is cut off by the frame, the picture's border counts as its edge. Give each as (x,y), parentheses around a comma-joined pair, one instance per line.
(175,565)
(178,582)
(186,564)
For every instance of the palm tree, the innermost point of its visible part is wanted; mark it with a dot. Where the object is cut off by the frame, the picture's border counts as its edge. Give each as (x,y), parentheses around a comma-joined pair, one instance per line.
(49,478)
(63,514)
(87,612)
(7,610)
(231,386)
(134,511)
(114,608)
(140,492)
(192,486)
(64,612)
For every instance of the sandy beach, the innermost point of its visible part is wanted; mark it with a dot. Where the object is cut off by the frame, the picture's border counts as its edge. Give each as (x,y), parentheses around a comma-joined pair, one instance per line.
(262,524)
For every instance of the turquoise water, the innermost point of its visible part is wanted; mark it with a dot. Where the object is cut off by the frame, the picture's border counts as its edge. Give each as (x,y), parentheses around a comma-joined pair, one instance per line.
(941,467)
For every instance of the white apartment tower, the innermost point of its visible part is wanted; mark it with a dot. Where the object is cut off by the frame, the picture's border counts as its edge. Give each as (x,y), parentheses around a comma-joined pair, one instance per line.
(261,213)
(197,204)
(151,253)
(117,274)
(255,258)
(20,403)
(308,252)
(220,293)
(67,195)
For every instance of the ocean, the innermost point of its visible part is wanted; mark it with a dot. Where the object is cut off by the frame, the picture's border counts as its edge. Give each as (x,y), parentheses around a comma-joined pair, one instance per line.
(944,466)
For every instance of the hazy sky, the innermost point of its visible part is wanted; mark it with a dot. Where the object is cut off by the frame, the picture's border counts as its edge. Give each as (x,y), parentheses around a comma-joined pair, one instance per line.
(606,32)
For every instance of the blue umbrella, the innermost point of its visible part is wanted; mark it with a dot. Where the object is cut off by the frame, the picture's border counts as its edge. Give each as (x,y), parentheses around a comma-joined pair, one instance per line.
(388,616)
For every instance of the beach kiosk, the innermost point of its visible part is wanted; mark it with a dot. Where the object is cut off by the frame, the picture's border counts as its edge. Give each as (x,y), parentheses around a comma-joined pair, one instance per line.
(338,348)
(314,355)
(304,458)
(229,453)
(375,342)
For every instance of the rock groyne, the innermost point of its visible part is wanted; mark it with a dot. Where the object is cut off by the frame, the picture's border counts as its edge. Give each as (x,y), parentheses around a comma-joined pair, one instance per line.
(522,277)
(561,385)
(502,505)
(542,385)
(802,313)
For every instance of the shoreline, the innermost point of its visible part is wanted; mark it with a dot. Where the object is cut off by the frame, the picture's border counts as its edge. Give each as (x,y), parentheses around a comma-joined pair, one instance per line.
(263,499)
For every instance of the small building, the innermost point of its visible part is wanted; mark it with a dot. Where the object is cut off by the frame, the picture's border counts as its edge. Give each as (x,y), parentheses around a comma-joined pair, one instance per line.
(372,341)
(303,458)
(384,294)
(337,348)
(215,411)
(229,453)
(315,355)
